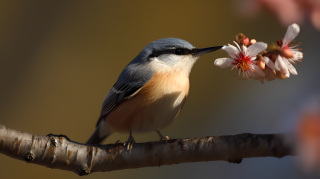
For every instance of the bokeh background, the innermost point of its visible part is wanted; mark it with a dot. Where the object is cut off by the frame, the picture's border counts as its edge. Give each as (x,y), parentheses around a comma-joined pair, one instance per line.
(59,58)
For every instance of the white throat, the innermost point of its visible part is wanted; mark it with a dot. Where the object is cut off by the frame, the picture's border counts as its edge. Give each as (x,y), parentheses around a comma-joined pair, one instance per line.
(178,63)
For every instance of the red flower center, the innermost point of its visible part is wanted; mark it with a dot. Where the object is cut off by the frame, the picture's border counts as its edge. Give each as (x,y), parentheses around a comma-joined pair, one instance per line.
(286,47)
(242,61)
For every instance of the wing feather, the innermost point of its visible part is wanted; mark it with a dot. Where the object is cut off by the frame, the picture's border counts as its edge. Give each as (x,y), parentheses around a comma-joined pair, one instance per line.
(116,96)
(133,77)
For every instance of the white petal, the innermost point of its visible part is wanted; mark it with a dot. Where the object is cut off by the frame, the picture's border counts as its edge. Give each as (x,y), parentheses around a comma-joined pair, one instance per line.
(292,32)
(253,58)
(292,69)
(237,45)
(244,49)
(231,50)
(251,67)
(286,75)
(256,48)
(258,70)
(297,55)
(223,62)
(269,63)
(253,74)
(281,65)
(270,76)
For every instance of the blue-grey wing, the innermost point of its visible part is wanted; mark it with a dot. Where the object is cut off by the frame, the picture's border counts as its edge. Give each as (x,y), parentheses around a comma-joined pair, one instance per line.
(130,81)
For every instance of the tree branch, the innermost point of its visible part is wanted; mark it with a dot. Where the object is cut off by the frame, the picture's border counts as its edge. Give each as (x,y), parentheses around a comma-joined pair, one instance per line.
(58,151)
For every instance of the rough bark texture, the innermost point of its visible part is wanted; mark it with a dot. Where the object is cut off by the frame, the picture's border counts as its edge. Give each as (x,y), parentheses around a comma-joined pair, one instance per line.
(58,151)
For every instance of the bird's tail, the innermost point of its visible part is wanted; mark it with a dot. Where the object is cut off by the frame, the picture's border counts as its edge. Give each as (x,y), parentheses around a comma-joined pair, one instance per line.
(102,131)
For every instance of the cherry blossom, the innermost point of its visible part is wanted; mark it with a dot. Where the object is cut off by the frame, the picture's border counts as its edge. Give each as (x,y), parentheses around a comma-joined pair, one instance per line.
(242,59)
(290,54)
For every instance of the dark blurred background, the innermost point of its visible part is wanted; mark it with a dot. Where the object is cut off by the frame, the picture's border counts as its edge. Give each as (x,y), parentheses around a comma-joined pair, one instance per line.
(58,59)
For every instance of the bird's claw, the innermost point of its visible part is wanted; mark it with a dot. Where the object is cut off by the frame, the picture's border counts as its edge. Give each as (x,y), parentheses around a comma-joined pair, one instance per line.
(165,138)
(129,143)
(162,137)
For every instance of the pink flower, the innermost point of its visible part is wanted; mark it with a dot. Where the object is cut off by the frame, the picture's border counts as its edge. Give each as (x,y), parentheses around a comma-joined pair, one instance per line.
(282,63)
(242,59)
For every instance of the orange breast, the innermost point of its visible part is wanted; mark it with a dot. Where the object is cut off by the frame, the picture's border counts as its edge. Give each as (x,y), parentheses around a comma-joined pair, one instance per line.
(155,106)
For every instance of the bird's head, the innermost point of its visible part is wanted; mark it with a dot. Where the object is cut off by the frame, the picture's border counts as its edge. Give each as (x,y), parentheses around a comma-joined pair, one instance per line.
(172,54)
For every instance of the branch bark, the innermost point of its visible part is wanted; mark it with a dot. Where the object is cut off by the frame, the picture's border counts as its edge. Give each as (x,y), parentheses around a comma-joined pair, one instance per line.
(58,151)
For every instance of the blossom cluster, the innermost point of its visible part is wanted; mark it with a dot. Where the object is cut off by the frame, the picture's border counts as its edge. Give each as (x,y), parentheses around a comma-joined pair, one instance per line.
(251,59)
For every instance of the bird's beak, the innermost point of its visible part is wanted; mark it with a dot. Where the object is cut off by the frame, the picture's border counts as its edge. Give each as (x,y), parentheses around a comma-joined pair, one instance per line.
(203,51)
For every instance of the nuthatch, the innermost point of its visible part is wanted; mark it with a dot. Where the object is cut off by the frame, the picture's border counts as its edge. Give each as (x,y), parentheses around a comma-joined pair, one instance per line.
(150,91)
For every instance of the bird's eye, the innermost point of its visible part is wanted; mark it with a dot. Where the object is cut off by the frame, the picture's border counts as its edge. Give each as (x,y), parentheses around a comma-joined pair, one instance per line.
(178,51)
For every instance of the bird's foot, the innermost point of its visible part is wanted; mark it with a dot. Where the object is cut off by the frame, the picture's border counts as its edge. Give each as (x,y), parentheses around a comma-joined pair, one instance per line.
(162,137)
(129,143)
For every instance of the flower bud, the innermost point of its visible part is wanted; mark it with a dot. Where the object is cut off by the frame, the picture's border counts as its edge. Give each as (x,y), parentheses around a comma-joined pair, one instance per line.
(287,53)
(253,41)
(260,62)
(280,75)
(285,75)
(245,41)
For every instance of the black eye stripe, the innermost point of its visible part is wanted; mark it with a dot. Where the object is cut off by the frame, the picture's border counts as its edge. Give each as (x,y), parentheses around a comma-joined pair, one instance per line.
(176,51)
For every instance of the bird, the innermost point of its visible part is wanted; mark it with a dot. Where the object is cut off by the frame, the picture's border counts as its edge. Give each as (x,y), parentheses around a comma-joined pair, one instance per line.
(150,91)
